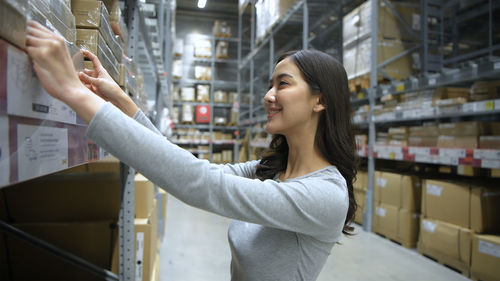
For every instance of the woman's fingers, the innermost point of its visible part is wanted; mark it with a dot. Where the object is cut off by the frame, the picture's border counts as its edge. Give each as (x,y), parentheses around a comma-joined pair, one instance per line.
(90,72)
(39,28)
(87,79)
(93,58)
(34,41)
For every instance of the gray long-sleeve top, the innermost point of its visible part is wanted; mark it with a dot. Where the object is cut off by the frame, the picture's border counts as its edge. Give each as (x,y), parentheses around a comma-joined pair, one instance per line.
(281,230)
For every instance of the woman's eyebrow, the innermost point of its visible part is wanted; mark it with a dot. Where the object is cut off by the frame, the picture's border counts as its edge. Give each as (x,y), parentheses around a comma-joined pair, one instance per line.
(281,75)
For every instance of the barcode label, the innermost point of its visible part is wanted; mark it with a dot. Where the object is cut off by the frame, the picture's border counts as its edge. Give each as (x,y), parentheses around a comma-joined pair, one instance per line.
(489,248)
(434,190)
(432,81)
(381,182)
(429,226)
(139,256)
(380,211)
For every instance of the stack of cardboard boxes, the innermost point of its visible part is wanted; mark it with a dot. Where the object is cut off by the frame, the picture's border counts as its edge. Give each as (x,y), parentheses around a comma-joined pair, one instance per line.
(397,207)
(453,216)
(360,186)
(393,39)
(268,13)
(77,211)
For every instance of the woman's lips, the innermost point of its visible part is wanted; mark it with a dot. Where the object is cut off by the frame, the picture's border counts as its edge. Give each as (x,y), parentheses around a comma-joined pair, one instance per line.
(272,113)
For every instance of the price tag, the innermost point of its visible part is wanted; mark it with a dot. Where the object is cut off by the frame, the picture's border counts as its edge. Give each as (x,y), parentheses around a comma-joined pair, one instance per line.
(493,164)
(400,87)
(490,105)
(432,81)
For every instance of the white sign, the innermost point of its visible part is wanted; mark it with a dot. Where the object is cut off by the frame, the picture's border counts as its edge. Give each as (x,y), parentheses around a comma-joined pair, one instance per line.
(26,96)
(4,151)
(434,190)
(139,256)
(489,248)
(41,150)
(429,226)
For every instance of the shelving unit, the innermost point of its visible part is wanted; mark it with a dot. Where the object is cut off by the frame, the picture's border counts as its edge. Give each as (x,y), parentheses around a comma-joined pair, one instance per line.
(50,137)
(215,82)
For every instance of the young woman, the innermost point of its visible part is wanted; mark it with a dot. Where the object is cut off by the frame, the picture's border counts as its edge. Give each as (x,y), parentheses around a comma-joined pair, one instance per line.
(289,208)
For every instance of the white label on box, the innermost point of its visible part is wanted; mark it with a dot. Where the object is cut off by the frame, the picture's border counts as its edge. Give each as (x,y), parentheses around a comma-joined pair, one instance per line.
(492,164)
(419,150)
(491,194)
(491,154)
(434,189)
(497,65)
(381,182)
(41,150)
(497,104)
(26,96)
(452,152)
(380,211)
(139,256)
(489,248)
(432,81)
(4,151)
(422,158)
(448,160)
(429,226)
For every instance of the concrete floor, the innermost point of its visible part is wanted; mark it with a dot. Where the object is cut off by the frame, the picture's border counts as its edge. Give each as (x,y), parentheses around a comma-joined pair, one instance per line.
(195,248)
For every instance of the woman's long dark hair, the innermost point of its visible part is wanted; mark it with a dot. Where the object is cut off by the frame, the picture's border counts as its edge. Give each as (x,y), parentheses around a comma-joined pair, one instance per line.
(334,136)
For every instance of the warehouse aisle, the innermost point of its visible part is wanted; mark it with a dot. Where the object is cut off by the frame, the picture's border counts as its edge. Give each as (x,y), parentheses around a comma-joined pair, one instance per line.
(195,248)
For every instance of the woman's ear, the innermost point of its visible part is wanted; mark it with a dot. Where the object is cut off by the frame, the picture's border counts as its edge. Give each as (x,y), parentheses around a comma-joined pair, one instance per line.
(320,105)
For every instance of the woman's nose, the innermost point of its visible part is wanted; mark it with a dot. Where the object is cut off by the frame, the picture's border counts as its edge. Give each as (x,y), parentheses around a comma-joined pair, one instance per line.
(270,96)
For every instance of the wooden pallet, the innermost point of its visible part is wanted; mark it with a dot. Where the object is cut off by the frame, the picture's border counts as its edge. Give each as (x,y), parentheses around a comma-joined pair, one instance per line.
(448,262)
(400,242)
(188,123)
(223,35)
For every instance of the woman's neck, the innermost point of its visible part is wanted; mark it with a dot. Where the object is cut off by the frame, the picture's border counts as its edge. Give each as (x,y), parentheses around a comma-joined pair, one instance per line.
(304,157)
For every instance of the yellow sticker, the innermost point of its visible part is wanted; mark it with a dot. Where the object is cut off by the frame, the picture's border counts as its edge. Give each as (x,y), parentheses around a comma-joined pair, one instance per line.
(400,87)
(361,95)
(490,105)
(391,155)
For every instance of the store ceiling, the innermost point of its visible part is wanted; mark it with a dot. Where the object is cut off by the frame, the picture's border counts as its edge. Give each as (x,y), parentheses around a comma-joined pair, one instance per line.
(214,9)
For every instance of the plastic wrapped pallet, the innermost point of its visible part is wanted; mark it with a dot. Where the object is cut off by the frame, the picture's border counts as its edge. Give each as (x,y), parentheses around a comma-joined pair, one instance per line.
(93,14)
(220,96)
(202,73)
(202,93)
(357,24)
(357,58)
(221,51)
(268,12)
(187,94)
(177,69)
(178,47)
(43,12)
(203,48)
(175,115)
(221,29)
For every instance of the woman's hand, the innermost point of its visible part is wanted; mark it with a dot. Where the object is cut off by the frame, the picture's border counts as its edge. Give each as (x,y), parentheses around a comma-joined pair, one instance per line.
(54,67)
(100,82)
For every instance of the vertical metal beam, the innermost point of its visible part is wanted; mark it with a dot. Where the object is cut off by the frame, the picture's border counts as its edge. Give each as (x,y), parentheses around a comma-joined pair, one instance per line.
(490,28)
(126,232)
(252,47)
(425,36)
(240,39)
(368,214)
(211,104)
(340,47)
(305,25)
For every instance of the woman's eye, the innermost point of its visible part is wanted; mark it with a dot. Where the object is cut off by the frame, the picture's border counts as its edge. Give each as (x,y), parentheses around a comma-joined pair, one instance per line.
(283,83)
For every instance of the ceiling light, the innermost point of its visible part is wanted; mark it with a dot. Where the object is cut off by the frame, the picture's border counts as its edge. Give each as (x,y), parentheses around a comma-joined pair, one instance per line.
(202,3)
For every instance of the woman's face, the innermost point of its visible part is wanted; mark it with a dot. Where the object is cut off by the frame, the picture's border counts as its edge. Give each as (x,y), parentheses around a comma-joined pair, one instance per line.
(289,104)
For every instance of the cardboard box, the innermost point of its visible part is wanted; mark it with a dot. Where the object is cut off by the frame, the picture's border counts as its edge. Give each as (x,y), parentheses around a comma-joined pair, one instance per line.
(422,141)
(358,216)
(493,128)
(457,141)
(156,269)
(448,243)
(187,94)
(357,24)
(90,14)
(443,93)
(220,96)
(461,129)
(106,165)
(144,196)
(397,224)
(399,190)
(13,21)
(485,90)
(187,113)
(55,16)
(447,202)
(485,257)
(485,210)
(90,241)
(424,131)
(357,58)
(361,182)
(146,248)
(489,142)
(65,199)
(202,93)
